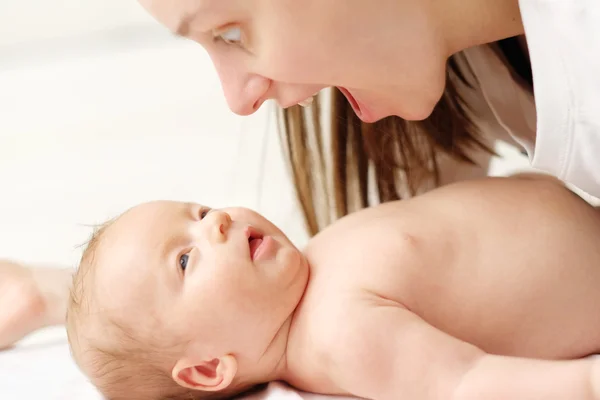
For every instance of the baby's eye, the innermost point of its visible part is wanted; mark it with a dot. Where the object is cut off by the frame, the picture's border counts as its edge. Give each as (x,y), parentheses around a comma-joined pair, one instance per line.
(230,36)
(204,212)
(183,260)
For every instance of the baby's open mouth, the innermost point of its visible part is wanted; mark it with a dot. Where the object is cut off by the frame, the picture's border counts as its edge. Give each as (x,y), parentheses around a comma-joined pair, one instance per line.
(255,239)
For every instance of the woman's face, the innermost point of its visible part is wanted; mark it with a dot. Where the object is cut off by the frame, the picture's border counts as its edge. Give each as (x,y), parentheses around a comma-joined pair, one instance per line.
(384,55)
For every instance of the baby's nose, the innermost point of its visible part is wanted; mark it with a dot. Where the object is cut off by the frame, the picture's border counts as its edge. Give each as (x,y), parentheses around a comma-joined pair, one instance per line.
(220,223)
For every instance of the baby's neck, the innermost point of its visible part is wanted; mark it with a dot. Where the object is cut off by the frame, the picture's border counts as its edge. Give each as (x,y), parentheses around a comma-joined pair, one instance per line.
(280,345)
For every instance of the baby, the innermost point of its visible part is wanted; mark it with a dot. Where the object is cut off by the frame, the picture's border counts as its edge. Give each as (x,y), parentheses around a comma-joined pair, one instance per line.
(486,289)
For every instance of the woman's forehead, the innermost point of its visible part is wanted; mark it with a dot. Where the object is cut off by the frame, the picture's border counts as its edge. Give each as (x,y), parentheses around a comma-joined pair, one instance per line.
(178,14)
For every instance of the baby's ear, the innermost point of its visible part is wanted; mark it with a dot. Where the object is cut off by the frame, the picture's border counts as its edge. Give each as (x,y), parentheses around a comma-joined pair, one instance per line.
(209,376)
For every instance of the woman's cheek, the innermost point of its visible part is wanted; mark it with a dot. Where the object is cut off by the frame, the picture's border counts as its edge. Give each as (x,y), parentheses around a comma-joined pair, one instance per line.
(288,62)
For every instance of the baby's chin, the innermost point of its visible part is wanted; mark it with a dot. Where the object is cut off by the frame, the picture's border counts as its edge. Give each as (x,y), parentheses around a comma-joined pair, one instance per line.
(297,267)
(289,253)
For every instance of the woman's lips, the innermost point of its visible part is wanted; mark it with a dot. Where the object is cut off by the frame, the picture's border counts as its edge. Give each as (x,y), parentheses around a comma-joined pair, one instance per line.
(359,108)
(351,100)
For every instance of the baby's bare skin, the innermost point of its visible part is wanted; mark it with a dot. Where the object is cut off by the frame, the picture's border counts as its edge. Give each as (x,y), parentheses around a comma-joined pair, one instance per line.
(30,299)
(514,272)
(479,290)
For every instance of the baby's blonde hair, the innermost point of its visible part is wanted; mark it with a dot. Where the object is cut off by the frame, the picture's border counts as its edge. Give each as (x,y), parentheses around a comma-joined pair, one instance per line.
(120,362)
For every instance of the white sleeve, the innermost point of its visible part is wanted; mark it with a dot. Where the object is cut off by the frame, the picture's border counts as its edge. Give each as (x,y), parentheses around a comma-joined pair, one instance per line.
(563,37)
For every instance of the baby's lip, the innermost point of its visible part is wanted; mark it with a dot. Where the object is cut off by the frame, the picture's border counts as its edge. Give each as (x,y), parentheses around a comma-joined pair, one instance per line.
(252,234)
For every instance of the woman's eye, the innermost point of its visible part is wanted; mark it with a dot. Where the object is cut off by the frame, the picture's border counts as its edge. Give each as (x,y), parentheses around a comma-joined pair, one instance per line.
(231,36)
(183,261)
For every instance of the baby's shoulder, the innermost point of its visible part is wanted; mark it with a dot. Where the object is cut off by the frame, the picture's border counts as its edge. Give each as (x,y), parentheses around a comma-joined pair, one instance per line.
(376,251)
(366,234)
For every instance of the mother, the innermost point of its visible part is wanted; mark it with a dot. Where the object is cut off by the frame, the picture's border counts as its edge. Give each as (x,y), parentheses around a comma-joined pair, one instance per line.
(435,83)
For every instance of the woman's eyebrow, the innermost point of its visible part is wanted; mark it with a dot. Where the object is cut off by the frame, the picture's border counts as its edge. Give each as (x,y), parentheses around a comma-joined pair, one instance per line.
(209,12)
(183,26)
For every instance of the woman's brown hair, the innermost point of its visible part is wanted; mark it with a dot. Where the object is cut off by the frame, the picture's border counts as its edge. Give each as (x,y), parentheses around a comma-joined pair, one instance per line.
(391,158)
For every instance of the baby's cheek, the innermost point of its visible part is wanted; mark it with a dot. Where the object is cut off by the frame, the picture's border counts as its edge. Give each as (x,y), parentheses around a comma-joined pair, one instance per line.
(229,279)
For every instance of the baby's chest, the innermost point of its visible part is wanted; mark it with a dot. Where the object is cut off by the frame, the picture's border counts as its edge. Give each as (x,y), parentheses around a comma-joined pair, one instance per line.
(318,331)
(389,267)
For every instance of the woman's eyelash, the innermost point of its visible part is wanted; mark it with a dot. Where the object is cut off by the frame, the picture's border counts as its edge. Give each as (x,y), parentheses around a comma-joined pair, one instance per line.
(229,36)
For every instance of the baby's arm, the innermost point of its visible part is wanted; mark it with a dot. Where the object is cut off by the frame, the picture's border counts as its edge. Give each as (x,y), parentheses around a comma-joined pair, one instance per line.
(390,353)
(30,299)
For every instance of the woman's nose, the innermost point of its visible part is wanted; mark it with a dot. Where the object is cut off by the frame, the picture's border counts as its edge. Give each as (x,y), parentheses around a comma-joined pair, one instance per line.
(218,225)
(245,94)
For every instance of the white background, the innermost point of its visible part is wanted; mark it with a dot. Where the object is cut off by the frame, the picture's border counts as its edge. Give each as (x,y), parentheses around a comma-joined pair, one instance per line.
(95,122)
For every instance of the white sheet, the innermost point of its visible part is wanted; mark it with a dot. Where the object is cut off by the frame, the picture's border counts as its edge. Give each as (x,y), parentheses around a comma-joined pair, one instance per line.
(281,391)
(41,368)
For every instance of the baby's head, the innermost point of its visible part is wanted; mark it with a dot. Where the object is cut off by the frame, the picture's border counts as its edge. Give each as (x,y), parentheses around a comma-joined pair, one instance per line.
(177,301)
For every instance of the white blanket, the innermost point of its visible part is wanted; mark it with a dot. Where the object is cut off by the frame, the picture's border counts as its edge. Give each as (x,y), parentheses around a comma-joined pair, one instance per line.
(41,368)
(280,391)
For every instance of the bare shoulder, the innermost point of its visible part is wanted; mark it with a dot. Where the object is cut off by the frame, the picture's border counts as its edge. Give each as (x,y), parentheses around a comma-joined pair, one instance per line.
(519,185)
(496,246)
(376,250)
(526,197)
(383,350)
